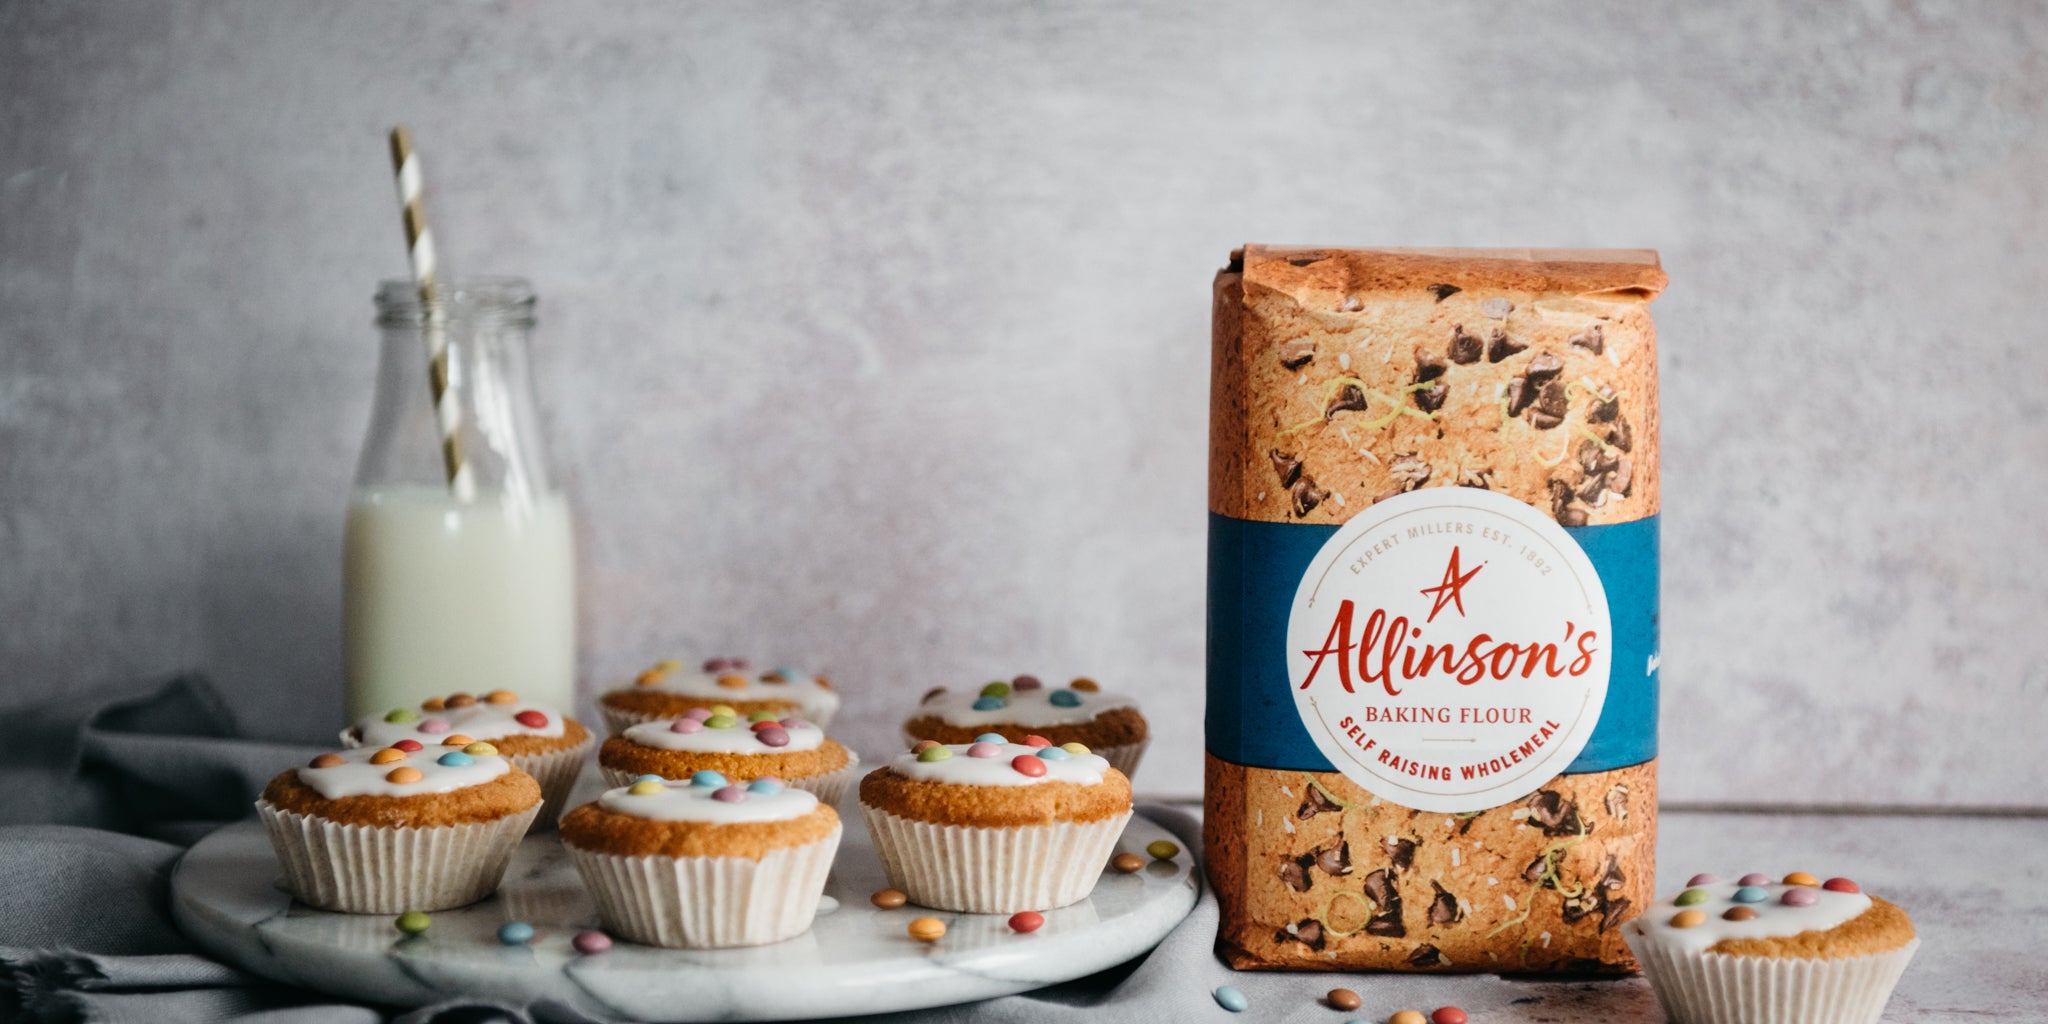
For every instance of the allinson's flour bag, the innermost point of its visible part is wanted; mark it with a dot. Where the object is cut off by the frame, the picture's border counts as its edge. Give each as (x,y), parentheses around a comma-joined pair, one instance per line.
(1432,717)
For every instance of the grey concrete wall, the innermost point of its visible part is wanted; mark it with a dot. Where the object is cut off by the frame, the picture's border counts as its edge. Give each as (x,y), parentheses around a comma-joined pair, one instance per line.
(875,335)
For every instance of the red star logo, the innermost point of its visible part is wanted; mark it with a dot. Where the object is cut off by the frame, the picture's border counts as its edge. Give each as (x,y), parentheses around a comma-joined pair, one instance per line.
(1452,589)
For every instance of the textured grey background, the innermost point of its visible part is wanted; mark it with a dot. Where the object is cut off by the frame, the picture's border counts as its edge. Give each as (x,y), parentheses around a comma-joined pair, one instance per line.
(875,336)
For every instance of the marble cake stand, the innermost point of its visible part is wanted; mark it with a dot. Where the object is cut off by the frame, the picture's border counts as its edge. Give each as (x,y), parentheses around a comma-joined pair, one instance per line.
(226,894)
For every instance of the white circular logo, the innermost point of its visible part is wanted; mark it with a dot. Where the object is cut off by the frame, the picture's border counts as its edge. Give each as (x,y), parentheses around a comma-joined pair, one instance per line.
(1449,649)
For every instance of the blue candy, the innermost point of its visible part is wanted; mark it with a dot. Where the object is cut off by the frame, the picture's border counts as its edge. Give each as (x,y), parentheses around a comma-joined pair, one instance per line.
(708,778)
(1053,754)
(1751,894)
(1070,699)
(515,933)
(456,759)
(1231,999)
(991,737)
(647,778)
(769,786)
(992,704)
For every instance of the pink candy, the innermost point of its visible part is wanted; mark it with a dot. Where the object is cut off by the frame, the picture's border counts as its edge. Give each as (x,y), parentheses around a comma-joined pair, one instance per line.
(591,942)
(1755,878)
(434,726)
(730,795)
(686,726)
(1799,896)
(775,736)
(794,722)
(984,750)
(726,665)
(1702,879)
(697,714)
(1025,683)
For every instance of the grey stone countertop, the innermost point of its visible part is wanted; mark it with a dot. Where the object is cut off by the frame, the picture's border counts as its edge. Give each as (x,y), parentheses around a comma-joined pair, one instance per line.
(1975,885)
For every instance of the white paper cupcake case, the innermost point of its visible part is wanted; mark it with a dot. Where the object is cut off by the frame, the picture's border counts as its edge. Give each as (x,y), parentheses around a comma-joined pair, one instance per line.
(368,869)
(556,771)
(617,721)
(1713,988)
(829,787)
(708,902)
(993,870)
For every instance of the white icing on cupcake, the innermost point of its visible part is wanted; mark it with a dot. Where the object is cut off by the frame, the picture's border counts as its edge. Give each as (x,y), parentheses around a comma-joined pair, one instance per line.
(722,804)
(356,776)
(482,720)
(1774,919)
(805,690)
(1025,708)
(994,764)
(735,739)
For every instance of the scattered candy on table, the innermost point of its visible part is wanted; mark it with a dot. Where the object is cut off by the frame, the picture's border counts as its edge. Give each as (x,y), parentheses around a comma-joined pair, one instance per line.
(591,942)
(927,929)
(1447,1015)
(1127,862)
(888,899)
(461,700)
(1162,849)
(1025,922)
(1408,1017)
(412,922)
(1344,999)
(1231,999)
(515,933)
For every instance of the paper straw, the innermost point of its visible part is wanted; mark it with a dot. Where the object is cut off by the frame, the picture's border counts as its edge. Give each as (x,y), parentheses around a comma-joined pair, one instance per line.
(419,244)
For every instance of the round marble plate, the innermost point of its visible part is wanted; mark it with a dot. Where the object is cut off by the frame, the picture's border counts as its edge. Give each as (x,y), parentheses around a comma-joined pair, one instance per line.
(227,895)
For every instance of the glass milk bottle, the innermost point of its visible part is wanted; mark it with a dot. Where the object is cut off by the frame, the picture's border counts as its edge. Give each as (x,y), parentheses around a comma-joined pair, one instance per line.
(447,592)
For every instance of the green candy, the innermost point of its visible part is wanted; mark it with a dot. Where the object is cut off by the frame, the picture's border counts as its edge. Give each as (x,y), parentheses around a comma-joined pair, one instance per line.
(996,690)
(402,715)
(1690,897)
(762,716)
(1161,849)
(935,754)
(721,722)
(412,922)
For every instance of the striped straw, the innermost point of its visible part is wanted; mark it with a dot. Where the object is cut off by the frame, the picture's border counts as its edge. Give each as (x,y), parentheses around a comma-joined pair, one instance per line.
(419,244)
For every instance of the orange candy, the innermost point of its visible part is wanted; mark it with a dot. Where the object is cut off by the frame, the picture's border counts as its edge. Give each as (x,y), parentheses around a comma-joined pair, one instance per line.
(774,677)
(1801,878)
(433,704)
(927,929)
(732,682)
(1688,919)
(329,761)
(404,775)
(650,677)
(1084,684)
(823,683)
(923,745)
(387,756)
(457,740)
(501,697)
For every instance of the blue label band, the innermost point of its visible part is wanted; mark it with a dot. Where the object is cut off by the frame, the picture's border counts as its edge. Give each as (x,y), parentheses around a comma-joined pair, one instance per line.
(1254,569)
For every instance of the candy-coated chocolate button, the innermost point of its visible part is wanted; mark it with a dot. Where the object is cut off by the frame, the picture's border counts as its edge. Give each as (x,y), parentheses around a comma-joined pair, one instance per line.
(501,697)
(409,746)
(823,683)
(795,722)
(1702,879)
(774,736)
(1026,682)
(1343,999)
(1408,1017)
(765,786)
(686,726)
(768,723)
(984,750)
(733,682)
(708,779)
(1053,754)
(1024,922)
(1688,919)
(1162,849)
(590,943)
(1084,684)
(934,753)
(457,740)
(990,704)
(1840,885)
(644,788)
(1065,699)
(1025,764)
(1690,897)
(697,714)
(651,677)
(1228,997)
(412,922)
(761,716)
(455,759)
(480,749)
(927,929)
(1127,862)
(515,933)
(389,755)
(1739,914)
(1751,894)
(433,704)
(730,795)
(1036,740)
(404,776)
(929,694)
(1074,748)
(724,709)
(402,715)
(1801,878)
(888,899)
(923,745)
(648,778)
(329,761)
(531,719)
(460,700)
(991,737)
(1754,878)
(433,726)
(996,690)
(721,722)
(1799,896)
(1447,1015)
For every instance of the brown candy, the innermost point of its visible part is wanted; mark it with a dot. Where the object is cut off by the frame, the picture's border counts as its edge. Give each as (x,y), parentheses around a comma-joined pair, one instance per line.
(329,761)
(433,704)
(1084,684)
(1740,914)
(460,700)
(1127,862)
(1343,999)
(888,899)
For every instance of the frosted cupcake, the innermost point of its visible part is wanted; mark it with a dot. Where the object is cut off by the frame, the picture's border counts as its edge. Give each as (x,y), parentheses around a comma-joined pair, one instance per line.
(787,749)
(669,689)
(540,740)
(1800,951)
(991,827)
(1079,712)
(404,827)
(706,863)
